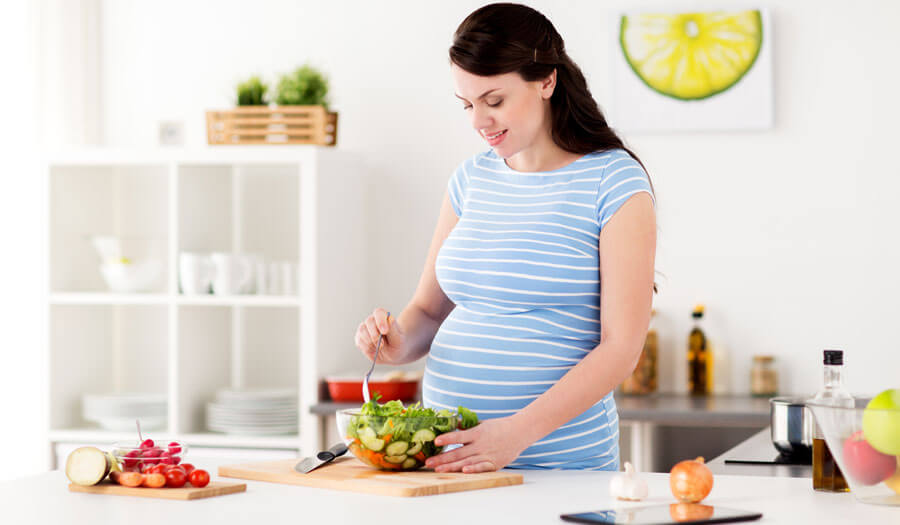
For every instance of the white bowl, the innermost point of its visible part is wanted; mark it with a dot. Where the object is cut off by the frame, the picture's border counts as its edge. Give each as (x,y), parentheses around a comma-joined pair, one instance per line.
(114,249)
(119,411)
(141,276)
(126,424)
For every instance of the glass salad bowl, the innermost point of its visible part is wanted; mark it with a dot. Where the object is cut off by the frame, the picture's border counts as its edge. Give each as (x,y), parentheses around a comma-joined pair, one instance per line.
(865,444)
(400,441)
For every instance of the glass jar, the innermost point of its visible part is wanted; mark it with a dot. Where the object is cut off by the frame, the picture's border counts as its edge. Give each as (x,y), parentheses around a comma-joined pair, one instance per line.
(643,380)
(763,376)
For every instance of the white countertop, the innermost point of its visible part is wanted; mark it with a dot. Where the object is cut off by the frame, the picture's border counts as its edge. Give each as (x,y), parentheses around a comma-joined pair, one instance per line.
(45,499)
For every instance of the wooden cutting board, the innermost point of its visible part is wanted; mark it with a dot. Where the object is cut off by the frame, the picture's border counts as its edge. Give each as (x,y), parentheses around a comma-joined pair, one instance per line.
(351,474)
(215,488)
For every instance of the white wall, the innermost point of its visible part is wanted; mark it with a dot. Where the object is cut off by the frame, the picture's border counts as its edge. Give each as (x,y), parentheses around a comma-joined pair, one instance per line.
(785,235)
(23,387)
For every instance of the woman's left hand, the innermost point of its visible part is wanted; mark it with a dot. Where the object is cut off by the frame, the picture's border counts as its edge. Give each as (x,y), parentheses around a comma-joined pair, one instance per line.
(491,445)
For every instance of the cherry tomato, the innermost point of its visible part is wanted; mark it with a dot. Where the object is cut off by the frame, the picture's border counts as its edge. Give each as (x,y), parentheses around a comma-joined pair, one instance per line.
(200,478)
(188,468)
(175,478)
(146,467)
(158,469)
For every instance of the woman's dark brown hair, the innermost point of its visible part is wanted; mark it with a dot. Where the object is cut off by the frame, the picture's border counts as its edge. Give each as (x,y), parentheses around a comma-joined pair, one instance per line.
(504,38)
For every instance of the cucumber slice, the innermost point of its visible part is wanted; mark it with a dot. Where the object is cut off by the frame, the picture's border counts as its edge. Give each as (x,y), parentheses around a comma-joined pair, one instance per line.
(375,445)
(423,435)
(396,448)
(409,463)
(414,449)
(366,433)
(369,440)
(396,459)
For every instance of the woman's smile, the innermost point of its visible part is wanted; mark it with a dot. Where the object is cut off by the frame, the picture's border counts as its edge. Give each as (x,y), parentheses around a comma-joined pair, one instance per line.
(495,138)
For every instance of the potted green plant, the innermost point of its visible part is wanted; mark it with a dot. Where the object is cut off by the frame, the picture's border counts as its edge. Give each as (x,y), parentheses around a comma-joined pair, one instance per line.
(252,92)
(305,86)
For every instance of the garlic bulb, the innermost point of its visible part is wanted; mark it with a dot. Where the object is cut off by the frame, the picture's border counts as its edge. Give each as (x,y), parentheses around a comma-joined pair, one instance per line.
(628,486)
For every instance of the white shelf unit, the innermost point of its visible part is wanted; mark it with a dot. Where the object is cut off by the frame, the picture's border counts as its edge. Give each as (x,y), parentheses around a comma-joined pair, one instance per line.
(298,203)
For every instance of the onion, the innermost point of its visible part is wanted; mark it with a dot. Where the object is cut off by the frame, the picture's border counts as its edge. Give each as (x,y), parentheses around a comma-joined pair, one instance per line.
(690,480)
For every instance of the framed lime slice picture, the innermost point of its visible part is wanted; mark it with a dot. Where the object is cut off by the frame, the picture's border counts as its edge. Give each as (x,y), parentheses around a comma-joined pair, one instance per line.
(691,56)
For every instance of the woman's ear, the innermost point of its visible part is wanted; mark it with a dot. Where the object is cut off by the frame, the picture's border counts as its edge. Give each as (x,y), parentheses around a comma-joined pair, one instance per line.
(548,85)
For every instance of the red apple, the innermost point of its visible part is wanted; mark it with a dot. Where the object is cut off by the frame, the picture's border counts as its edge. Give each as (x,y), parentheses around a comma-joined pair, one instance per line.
(865,464)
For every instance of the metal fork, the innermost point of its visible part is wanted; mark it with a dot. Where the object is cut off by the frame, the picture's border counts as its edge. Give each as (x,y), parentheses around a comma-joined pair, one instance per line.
(365,386)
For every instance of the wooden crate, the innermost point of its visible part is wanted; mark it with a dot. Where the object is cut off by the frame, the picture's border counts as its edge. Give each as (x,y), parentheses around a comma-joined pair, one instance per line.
(272,125)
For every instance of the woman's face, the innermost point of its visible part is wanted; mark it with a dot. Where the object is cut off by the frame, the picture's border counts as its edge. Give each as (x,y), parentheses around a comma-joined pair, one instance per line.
(509,113)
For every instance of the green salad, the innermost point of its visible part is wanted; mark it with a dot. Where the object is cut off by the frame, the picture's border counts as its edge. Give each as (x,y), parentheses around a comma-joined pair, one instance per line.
(394,437)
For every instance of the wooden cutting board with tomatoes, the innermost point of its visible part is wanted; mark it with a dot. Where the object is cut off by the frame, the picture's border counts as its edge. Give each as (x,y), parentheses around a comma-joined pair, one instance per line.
(215,488)
(350,474)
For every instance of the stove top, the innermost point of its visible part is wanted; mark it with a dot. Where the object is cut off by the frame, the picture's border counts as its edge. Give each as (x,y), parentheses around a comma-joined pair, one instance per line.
(780,459)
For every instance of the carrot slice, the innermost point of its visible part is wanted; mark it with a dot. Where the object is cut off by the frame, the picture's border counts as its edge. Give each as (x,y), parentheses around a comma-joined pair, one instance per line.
(388,438)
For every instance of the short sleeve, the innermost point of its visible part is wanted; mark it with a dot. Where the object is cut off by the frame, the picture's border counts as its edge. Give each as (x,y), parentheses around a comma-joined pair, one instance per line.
(622,178)
(456,189)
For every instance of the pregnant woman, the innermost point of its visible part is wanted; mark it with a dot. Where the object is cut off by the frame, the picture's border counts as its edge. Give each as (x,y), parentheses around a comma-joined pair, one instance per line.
(535,297)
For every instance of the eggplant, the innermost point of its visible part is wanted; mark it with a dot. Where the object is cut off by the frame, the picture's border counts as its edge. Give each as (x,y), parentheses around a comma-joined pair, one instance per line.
(89,466)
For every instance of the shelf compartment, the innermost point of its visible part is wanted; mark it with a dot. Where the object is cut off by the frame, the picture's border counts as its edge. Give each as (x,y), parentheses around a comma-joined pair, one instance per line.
(129,202)
(102,349)
(232,347)
(248,208)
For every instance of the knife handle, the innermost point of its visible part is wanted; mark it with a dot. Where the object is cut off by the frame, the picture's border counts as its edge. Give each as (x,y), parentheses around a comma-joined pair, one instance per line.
(337,450)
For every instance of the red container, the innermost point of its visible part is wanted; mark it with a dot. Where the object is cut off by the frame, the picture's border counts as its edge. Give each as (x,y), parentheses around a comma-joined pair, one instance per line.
(349,390)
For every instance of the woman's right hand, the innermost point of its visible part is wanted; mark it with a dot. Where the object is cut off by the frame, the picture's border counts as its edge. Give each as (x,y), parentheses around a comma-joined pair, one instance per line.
(393,345)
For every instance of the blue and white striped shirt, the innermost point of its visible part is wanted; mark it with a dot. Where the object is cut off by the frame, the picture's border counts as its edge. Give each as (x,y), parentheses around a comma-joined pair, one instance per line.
(522,267)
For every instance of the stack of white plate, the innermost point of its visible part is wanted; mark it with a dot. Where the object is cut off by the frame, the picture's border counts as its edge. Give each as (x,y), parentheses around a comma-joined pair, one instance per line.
(119,411)
(253,412)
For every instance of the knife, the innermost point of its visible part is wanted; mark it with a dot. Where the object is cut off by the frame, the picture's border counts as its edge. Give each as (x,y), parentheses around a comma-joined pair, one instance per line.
(311,463)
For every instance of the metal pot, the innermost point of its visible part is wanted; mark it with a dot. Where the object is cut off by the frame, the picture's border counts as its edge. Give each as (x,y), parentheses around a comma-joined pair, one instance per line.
(793,427)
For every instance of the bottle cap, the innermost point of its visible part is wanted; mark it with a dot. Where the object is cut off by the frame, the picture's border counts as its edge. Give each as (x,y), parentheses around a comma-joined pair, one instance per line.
(834,357)
(698,311)
(763,358)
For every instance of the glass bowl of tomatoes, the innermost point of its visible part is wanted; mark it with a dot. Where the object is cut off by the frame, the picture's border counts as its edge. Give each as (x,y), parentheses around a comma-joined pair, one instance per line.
(140,456)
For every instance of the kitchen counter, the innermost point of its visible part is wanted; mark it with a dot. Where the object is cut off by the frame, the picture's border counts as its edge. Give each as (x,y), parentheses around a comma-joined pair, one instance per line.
(664,409)
(642,414)
(757,448)
(45,499)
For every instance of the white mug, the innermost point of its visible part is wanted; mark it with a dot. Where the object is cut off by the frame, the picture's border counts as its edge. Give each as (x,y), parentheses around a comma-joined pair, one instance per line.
(289,278)
(195,273)
(251,260)
(262,287)
(233,273)
(273,278)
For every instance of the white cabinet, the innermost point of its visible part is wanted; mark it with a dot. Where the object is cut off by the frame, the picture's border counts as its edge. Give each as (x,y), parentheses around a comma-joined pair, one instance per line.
(300,204)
